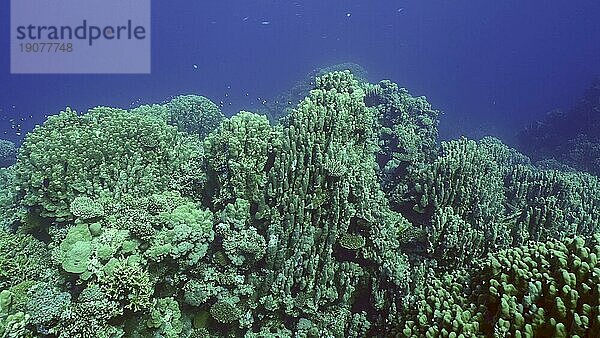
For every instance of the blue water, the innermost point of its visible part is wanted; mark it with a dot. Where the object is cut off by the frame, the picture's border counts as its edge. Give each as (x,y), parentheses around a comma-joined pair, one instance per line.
(491,66)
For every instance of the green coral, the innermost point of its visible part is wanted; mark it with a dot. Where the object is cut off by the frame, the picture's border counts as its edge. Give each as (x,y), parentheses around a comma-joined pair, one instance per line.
(13,323)
(451,240)
(352,241)
(76,249)
(46,303)
(6,300)
(194,114)
(552,204)
(542,289)
(9,206)
(197,292)
(407,136)
(86,208)
(310,209)
(186,236)
(439,307)
(225,311)
(77,257)
(87,249)
(104,153)
(284,103)
(480,197)
(22,257)
(465,177)
(89,316)
(128,283)
(237,154)
(165,318)
(243,245)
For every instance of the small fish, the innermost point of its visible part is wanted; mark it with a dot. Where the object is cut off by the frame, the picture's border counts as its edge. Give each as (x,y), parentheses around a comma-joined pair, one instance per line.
(195,66)
(348,15)
(265,23)
(246,18)
(400,10)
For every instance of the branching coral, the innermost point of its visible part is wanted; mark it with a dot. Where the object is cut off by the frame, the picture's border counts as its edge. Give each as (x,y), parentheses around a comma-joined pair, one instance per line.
(237,155)
(407,136)
(86,208)
(127,283)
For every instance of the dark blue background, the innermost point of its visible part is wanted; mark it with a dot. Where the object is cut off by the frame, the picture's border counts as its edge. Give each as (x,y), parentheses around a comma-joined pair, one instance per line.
(491,66)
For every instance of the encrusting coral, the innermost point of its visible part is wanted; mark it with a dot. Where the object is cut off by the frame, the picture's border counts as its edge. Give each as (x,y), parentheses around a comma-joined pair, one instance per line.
(345,219)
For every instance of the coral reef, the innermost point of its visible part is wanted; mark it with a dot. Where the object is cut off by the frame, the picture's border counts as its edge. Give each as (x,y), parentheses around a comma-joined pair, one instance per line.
(345,219)
(8,153)
(9,206)
(542,289)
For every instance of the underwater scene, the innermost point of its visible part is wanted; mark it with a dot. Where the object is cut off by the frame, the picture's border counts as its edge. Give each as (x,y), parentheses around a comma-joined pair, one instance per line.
(269,169)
